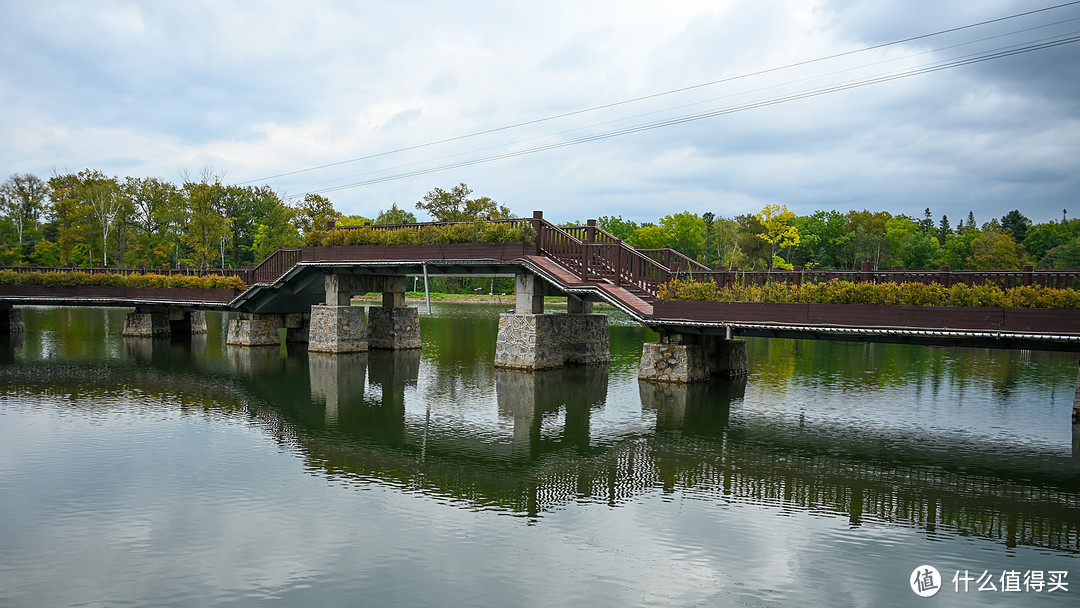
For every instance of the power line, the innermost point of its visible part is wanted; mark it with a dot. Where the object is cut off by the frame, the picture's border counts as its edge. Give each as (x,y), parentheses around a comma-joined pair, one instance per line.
(697,103)
(664,93)
(949,64)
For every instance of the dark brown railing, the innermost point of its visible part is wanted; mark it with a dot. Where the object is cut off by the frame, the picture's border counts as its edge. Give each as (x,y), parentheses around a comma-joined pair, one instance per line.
(271,269)
(183,270)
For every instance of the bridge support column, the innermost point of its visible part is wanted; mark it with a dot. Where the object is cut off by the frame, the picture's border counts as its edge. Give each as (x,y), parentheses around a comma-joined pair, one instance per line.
(684,358)
(529,339)
(1076,402)
(297,327)
(147,323)
(186,321)
(393,325)
(11,320)
(253,329)
(338,327)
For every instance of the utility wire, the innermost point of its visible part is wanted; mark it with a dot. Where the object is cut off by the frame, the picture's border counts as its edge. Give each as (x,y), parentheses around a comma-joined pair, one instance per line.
(967,60)
(688,105)
(664,93)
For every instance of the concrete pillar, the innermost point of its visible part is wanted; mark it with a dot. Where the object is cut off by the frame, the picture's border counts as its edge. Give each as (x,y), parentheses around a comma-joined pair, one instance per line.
(340,288)
(394,325)
(147,323)
(529,291)
(11,320)
(184,321)
(297,326)
(686,358)
(577,306)
(255,329)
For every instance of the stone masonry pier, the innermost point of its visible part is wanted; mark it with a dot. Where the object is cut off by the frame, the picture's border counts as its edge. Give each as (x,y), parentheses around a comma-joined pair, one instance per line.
(529,339)
(686,358)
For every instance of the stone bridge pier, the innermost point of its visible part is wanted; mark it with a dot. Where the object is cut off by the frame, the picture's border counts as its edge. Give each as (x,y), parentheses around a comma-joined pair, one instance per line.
(684,358)
(163,321)
(11,320)
(337,327)
(530,339)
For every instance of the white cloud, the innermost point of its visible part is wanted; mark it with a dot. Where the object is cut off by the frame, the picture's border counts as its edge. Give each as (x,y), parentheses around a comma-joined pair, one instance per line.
(258,89)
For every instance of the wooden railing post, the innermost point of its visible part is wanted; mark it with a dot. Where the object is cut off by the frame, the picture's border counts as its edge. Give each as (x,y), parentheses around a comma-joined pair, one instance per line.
(945,277)
(866,272)
(538,227)
(1025,277)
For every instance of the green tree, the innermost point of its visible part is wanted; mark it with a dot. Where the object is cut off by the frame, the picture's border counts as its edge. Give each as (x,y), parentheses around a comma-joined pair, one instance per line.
(155,204)
(314,213)
(1041,238)
(22,200)
(276,230)
(46,253)
(207,228)
(102,195)
(617,226)
(726,243)
(687,233)
(779,232)
(958,251)
(1016,225)
(456,206)
(944,230)
(1063,257)
(395,215)
(995,250)
(651,236)
(921,251)
(867,237)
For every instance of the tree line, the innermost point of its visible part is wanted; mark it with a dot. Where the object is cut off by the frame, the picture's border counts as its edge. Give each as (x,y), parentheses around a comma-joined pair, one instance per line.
(88,218)
(778,238)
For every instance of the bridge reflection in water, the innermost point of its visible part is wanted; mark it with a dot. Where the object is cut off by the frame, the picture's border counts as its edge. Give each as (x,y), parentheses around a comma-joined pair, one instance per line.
(356,418)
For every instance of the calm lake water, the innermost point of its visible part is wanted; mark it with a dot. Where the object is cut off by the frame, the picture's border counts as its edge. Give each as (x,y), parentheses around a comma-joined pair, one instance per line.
(187,473)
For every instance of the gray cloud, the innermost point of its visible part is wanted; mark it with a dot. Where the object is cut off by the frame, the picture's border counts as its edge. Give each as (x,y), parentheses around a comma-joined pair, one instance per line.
(257,89)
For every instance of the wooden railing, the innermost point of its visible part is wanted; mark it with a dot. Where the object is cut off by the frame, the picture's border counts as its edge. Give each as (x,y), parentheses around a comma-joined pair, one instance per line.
(271,269)
(183,270)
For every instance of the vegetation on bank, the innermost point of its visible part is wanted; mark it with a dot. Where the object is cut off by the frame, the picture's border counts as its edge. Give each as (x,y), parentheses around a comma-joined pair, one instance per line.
(845,292)
(78,279)
(469,232)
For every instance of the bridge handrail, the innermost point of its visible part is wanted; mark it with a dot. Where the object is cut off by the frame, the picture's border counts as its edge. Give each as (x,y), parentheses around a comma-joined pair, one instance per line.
(274,266)
(164,271)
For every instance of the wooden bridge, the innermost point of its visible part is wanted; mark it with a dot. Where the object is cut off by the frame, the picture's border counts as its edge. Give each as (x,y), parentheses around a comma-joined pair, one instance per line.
(588,264)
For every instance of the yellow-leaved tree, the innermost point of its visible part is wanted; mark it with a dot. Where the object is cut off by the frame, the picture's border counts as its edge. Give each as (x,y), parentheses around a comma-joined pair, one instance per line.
(779,230)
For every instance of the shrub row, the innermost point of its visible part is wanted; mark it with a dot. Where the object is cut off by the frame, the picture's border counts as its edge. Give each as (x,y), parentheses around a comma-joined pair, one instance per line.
(845,292)
(75,279)
(471,232)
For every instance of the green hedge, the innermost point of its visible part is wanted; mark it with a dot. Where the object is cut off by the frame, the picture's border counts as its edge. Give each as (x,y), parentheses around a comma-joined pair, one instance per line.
(75,279)
(472,232)
(845,292)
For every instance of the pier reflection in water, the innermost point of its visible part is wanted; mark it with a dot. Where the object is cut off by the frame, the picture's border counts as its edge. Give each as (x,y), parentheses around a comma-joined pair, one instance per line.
(892,453)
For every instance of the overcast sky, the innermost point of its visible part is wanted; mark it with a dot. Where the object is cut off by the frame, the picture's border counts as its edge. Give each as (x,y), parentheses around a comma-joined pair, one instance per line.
(536,91)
